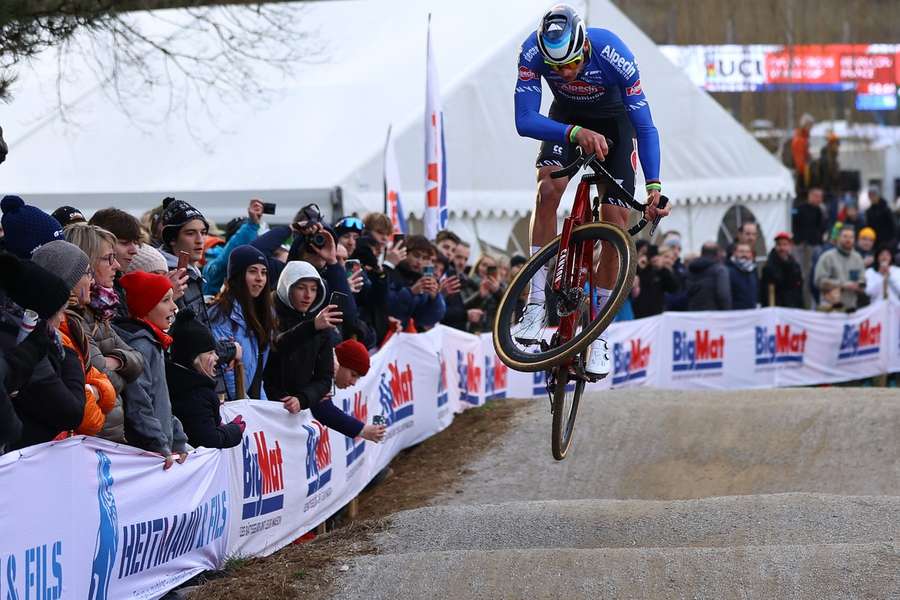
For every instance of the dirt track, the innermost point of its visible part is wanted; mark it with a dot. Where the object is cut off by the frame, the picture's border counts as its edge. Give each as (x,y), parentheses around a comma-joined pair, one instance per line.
(526,526)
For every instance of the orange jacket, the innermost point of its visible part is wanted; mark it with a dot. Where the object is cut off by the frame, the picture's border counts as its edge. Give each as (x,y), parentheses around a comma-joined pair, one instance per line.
(99,393)
(800,149)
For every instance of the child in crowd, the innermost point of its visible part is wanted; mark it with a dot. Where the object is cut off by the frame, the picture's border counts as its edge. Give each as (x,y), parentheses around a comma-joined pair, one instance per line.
(831,297)
(191,377)
(243,313)
(149,422)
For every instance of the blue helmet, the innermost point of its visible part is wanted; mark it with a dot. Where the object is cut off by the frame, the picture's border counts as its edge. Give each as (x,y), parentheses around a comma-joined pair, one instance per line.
(561,34)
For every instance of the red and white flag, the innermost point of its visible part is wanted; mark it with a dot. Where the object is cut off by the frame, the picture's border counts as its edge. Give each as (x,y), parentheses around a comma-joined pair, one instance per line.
(393,207)
(435,158)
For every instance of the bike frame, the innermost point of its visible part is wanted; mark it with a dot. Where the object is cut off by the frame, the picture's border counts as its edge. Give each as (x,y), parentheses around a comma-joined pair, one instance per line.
(574,274)
(575,262)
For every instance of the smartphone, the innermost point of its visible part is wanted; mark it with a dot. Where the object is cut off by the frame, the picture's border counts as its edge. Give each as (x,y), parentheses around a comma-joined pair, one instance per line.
(428,271)
(184,258)
(379,420)
(352,265)
(338,298)
(398,239)
(492,271)
(268,208)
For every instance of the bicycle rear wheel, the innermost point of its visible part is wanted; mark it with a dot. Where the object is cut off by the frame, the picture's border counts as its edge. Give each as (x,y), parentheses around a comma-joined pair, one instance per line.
(521,357)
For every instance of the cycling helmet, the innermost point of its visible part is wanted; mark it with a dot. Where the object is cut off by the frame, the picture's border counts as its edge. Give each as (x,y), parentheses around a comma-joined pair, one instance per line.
(560,37)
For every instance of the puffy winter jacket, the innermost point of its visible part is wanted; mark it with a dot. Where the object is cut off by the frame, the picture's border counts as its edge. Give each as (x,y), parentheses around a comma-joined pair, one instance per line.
(196,405)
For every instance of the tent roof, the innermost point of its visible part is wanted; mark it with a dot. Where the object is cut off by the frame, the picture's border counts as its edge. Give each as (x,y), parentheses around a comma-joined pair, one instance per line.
(323,125)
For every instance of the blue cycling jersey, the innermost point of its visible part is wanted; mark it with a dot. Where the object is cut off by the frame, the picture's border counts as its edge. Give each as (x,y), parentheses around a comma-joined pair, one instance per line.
(608,85)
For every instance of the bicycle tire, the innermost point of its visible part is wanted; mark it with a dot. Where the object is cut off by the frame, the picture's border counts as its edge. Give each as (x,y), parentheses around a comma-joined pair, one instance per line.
(564,420)
(517,359)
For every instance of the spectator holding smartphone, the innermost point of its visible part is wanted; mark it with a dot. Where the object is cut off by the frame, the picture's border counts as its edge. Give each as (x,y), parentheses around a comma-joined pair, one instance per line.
(183,233)
(243,312)
(415,291)
(487,294)
(300,369)
(351,361)
(656,279)
(215,271)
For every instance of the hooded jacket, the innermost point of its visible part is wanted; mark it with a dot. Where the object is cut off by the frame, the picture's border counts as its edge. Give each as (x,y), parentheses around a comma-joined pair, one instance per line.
(149,422)
(708,286)
(196,405)
(301,362)
(404,304)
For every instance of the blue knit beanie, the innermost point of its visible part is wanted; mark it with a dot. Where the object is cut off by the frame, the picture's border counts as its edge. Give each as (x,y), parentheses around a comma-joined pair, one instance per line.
(242,257)
(26,228)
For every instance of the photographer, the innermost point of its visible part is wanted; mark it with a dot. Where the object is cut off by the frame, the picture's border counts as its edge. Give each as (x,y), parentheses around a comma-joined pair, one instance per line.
(415,291)
(656,277)
(315,245)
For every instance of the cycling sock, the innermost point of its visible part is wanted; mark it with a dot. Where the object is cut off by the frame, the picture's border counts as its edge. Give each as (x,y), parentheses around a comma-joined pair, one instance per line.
(603,295)
(538,281)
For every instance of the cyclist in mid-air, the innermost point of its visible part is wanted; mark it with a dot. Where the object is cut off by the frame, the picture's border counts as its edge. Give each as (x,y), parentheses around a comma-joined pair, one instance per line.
(598,105)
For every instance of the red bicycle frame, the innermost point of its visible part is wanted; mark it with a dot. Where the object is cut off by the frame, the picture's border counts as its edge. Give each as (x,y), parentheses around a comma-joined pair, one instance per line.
(575,262)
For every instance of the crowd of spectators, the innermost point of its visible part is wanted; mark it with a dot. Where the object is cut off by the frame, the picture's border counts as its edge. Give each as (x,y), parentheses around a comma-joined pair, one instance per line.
(137,330)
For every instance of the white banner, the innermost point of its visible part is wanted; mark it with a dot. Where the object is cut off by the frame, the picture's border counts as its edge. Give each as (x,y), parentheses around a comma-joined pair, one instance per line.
(98,520)
(86,518)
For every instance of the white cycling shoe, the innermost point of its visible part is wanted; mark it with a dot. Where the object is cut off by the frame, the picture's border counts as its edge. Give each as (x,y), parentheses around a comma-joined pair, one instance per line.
(598,363)
(530,327)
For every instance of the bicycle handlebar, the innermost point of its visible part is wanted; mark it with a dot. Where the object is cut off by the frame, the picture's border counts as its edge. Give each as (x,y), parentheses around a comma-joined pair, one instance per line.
(600,171)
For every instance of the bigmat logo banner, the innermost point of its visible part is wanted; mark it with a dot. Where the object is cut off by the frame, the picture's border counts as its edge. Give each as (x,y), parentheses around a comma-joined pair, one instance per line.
(132,530)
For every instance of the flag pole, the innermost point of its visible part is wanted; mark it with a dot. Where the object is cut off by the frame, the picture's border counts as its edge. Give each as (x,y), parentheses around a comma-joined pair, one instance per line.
(387,142)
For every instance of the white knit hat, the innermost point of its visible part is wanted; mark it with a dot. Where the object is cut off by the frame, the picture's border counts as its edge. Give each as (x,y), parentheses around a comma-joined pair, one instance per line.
(149,260)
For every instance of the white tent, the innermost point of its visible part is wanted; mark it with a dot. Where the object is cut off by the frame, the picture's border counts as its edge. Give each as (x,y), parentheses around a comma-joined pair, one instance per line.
(318,134)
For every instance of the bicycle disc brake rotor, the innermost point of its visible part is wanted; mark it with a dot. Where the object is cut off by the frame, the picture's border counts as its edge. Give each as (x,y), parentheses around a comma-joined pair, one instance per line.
(569,301)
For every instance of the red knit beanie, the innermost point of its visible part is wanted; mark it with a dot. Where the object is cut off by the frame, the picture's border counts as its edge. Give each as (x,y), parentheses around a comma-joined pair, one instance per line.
(143,291)
(353,355)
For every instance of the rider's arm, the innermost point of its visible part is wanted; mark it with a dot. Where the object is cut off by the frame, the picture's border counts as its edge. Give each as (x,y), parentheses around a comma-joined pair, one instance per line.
(624,70)
(529,120)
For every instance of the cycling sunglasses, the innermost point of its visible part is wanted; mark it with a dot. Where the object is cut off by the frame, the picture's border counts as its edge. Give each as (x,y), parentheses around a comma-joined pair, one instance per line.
(353,223)
(575,62)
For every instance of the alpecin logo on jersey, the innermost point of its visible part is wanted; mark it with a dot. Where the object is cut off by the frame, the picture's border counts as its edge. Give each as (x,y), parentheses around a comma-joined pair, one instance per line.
(318,458)
(634,90)
(469,377)
(495,378)
(526,74)
(583,89)
(699,352)
(360,410)
(396,394)
(859,340)
(625,67)
(263,476)
(786,345)
(630,361)
(443,396)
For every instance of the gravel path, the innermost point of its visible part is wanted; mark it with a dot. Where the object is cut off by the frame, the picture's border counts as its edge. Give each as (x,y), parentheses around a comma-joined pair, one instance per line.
(762,494)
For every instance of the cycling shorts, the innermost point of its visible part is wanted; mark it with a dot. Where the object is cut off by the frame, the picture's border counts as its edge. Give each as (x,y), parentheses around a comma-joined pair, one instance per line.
(621,162)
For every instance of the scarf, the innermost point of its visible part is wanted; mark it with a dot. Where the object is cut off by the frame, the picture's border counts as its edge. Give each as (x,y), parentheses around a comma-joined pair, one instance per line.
(161,336)
(104,302)
(744,264)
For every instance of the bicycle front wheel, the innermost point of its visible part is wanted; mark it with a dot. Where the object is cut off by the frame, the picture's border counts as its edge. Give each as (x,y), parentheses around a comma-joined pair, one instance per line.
(564,404)
(522,357)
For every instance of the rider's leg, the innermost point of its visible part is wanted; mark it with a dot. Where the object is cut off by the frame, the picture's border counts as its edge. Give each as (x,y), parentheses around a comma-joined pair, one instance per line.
(608,265)
(543,223)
